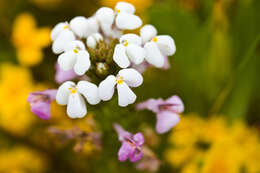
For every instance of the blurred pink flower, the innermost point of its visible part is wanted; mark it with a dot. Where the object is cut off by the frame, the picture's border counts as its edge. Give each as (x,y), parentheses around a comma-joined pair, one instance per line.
(40,102)
(167,112)
(131,147)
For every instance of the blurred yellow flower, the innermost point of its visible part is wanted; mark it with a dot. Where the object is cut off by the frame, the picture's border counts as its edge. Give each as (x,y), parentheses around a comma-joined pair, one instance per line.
(29,40)
(15,84)
(212,145)
(21,160)
(83,132)
(139,4)
(66,123)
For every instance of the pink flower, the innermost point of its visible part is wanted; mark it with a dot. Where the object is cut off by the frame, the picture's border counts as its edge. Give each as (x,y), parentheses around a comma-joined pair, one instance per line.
(62,76)
(40,103)
(131,147)
(167,112)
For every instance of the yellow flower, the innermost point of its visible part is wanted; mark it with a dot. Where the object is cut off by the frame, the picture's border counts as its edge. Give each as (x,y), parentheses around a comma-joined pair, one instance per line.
(29,40)
(88,148)
(20,159)
(15,84)
(213,145)
(63,122)
(191,168)
(139,4)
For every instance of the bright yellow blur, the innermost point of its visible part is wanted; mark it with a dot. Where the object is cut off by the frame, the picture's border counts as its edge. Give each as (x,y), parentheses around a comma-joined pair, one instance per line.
(29,40)
(20,159)
(15,84)
(213,145)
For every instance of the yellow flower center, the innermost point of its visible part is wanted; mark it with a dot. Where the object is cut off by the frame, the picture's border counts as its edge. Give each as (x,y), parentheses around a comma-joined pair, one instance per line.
(155,39)
(76,49)
(117,10)
(73,90)
(119,80)
(125,43)
(66,26)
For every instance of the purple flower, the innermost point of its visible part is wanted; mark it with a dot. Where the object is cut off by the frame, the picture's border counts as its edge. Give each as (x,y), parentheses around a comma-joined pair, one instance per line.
(167,112)
(62,76)
(40,102)
(131,147)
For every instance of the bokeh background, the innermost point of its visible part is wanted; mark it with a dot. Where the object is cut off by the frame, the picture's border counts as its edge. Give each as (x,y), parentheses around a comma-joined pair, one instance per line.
(215,71)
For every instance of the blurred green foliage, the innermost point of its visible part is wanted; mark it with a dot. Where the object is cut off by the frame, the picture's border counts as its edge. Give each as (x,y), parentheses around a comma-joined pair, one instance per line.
(216,64)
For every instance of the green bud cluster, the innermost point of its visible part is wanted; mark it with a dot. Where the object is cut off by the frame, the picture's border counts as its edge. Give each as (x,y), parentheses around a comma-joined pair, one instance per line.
(102,63)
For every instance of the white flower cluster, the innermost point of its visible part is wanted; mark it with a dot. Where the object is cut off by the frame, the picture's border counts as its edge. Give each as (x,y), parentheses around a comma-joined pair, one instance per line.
(68,41)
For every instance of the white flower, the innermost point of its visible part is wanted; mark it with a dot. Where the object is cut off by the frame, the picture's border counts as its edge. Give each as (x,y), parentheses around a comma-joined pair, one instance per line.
(126,78)
(123,17)
(105,16)
(71,94)
(76,57)
(93,39)
(92,26)
(79,26)
(84,27)
(129,49)
(61,35)
(156,47)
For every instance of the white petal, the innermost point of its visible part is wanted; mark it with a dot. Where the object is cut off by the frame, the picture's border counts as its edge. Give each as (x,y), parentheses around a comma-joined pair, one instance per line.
(120,56)
(57,30)
(91,42)
(153,54)
(107,87)
(79,26)
(67,60)
(107,29)
(90,92)
(60,42)
(125,7)
(125,95)
(93,39)
(128,21)
(82,63)
(76,106)
(63,92)
(131,76)
(147,33)
(166,45)
(92,26)
(135,53)
(73,44)
(105,16)
(98,37)
(131,39)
